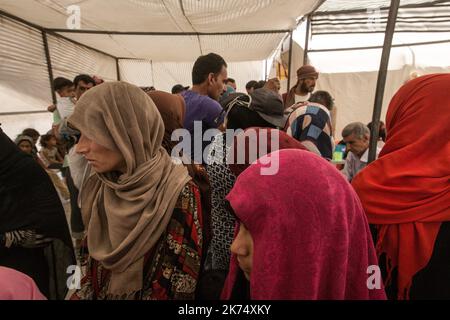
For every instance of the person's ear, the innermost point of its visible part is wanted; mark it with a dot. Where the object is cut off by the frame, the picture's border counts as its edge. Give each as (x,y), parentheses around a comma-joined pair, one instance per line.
(211,78)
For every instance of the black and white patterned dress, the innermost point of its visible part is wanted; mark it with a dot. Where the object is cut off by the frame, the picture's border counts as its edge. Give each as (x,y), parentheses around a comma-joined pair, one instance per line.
(222,220)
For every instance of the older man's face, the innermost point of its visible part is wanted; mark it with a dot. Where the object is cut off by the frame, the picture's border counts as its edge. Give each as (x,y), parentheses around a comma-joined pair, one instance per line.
(356,144)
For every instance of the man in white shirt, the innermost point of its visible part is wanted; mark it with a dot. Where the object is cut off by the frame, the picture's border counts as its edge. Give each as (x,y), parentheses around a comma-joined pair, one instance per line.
(306,82)
(356,137)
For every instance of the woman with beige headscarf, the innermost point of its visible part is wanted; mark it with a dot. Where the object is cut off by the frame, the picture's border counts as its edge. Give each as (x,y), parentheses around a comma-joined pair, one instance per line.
(142,211)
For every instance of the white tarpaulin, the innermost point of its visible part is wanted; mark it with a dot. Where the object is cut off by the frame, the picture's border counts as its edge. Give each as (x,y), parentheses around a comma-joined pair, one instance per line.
(119,25)
(351,75)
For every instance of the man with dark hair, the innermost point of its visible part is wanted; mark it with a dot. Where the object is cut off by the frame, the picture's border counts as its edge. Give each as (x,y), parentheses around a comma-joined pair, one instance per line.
(82,83)
(306,82)
(250,86)
(208,75)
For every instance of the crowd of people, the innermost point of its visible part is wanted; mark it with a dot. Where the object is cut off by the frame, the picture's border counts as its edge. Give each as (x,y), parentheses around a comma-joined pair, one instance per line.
(209,193)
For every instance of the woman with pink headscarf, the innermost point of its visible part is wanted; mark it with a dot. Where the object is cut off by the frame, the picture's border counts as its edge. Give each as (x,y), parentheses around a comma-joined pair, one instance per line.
(302,234)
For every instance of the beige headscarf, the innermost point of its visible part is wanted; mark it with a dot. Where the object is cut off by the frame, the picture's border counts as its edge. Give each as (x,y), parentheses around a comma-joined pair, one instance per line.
(126,215)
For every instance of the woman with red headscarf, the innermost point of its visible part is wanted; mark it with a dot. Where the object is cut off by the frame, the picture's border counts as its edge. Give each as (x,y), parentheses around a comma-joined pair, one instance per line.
(406,192)
(303,234)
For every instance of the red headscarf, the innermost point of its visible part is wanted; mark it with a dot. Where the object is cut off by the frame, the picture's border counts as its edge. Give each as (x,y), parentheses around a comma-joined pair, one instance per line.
(284,142)
(310,234)
(406,191)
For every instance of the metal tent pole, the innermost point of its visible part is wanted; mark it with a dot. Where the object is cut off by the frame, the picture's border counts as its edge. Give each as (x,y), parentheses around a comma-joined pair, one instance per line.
(308,31)
(290,61)
(49,65)
(382,74)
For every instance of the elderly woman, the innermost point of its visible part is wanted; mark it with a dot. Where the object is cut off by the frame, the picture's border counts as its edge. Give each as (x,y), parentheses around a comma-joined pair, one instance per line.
(141,210)
(302,233)
(406,192)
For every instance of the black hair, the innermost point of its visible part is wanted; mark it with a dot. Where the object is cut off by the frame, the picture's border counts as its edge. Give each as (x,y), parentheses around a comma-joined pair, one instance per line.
(45,138)
(260,84)
(83,77)
(381,130)
(251,84)
(230,80)
(324,98)
(60,83)
(30,132)
(210,63)
(240,117)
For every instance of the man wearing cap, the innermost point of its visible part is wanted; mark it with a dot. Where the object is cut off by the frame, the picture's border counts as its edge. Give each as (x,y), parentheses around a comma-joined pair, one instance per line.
(306,82)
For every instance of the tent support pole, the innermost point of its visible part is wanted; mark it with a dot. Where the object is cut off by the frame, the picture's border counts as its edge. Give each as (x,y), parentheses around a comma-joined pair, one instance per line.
(117,69)
(49,65)
(290,61)
(265,70)
(308,31)
(382,74)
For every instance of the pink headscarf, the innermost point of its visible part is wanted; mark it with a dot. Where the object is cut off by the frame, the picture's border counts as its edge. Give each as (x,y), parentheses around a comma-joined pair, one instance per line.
(311,236)
(15,285)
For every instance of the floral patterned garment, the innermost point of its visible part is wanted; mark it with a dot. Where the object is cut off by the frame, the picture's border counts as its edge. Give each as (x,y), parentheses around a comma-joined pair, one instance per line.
(171,268)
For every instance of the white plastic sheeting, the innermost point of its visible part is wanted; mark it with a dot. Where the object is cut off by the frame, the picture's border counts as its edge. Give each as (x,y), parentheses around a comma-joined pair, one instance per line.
(183,48)
(24,77)
(24,81)
(341,5)
(69,60)
(170,16)
(354,92)
(164,75)
(433,18)
(351,76)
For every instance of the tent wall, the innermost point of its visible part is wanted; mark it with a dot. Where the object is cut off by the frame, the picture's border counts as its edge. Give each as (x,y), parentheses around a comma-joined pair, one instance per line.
(69,60)
(13,125)
(354,92)
(24,80)
(164,75)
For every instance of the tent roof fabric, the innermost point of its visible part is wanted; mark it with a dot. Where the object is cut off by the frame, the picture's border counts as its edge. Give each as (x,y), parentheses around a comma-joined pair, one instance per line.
(346,5)
(426,18)
(191,17)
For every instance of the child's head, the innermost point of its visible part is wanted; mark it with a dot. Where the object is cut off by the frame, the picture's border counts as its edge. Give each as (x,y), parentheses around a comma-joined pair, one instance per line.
(33,133)
(25,143)
(64,87)
(48,141)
